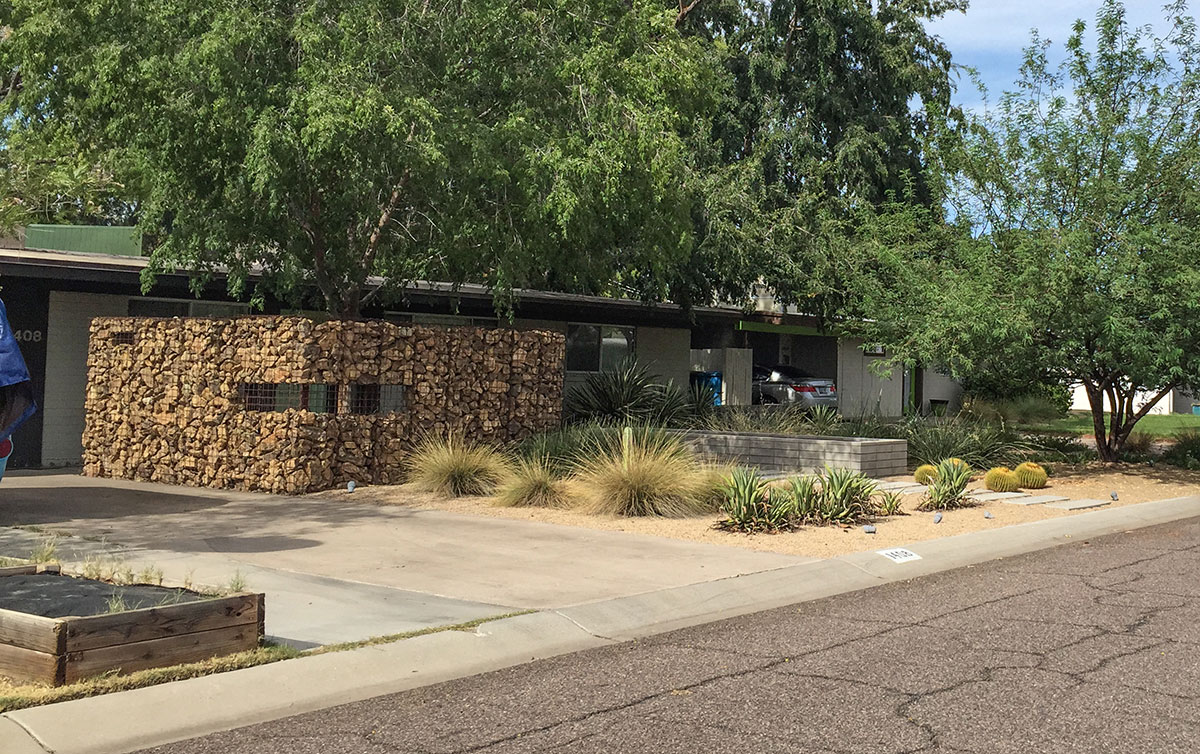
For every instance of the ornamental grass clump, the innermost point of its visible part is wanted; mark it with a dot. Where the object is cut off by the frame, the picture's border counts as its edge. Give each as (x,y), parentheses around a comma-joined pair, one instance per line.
(533,483)
(949,489)
(650,472)
(1001,479)
(456,467)
(1031,476)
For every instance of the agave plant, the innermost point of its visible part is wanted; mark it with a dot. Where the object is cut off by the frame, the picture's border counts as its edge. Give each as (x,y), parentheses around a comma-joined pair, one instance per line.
(888,503)
(822,420)
(845,496)
(751,505)
(949,488)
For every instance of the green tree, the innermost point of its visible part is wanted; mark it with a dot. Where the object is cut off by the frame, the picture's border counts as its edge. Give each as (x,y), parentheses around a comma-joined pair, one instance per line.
(507,142)
(829,111)
(1074,252)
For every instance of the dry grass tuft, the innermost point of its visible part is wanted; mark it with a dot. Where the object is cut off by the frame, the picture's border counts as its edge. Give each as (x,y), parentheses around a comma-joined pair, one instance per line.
(649,473)
(455,467)
(533,483)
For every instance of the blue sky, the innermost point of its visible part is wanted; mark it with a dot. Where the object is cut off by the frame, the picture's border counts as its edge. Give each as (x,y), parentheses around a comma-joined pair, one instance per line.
(991,34)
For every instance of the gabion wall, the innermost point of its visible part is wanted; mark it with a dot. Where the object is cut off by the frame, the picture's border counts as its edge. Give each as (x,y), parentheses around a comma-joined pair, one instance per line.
(289,405)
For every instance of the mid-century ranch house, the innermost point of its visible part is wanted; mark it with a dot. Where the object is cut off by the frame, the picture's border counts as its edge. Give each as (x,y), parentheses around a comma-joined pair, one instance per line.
(55,279)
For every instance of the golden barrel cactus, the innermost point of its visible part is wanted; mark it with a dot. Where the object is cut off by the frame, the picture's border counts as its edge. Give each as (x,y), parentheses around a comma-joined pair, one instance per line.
(1001,479)
(1031,476)
(926,474)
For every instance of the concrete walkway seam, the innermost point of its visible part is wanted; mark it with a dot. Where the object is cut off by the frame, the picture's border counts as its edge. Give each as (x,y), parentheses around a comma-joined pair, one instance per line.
(127,721)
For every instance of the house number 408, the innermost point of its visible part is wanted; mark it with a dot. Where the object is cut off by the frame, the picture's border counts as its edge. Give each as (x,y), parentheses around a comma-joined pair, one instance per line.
(28,336)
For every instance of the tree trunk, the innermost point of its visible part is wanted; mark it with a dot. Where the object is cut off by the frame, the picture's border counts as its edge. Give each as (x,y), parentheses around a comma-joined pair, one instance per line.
(1111,438)
(1095,394)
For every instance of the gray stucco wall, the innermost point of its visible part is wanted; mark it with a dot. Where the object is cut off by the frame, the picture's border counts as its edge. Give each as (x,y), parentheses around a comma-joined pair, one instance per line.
(862,392)
(667,352)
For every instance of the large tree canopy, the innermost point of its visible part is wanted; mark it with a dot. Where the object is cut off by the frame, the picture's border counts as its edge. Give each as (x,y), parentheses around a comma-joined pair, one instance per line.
(1075,253)
(829,112)
(503,141)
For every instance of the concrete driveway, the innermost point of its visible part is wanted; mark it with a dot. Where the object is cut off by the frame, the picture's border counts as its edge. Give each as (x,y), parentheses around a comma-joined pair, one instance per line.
(343,571)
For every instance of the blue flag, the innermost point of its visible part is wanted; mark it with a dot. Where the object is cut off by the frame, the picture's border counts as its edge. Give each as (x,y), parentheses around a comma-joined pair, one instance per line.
(16,391)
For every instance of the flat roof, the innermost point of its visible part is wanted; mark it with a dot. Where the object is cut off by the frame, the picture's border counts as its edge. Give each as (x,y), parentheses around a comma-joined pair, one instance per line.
(62,264)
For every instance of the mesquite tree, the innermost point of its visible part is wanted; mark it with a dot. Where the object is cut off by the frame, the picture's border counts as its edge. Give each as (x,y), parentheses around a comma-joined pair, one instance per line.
(358,145)
(1074,253)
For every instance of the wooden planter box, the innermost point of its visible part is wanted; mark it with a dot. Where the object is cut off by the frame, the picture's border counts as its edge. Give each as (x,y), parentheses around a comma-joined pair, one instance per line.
(65,650)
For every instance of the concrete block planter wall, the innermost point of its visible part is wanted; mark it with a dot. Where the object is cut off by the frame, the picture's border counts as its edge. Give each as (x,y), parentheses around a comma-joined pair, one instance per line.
(873,457)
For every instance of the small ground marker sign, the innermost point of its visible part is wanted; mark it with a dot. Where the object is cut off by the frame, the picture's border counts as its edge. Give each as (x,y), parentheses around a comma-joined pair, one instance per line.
(898,555)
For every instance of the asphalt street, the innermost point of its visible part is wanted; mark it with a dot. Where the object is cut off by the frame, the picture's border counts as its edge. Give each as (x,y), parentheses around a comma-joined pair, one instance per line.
(1089,647)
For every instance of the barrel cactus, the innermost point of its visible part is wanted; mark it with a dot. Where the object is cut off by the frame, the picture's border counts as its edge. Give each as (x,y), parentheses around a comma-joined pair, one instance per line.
(1031,476)
(1001,479)
(926,474)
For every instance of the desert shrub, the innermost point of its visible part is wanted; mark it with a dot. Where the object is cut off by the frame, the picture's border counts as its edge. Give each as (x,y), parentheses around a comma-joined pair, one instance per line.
(821,420)
(534,483)
(1139,444)
(453,466)
(561,449)
(650,472)
(1001,479)
(629,394)
(773,420)
(925,473)
(1027,409)
(750,505)
(978,443)
(949,489)
(702,398)
(1031,476)
(888,503)
(1185,451)
(1062,448)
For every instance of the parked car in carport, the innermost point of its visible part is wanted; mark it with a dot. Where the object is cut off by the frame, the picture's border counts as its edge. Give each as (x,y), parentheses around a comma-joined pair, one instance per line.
(784,384)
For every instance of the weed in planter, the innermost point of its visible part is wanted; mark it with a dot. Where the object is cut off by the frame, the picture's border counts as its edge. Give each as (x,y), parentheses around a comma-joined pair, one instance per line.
(822,420)
(150,575)
(115,603)
(949,489)
(46,551)
(237,583)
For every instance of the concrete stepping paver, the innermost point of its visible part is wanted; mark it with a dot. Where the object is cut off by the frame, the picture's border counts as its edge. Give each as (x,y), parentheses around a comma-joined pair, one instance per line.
(889,486)
(1038,500)
(1078,505)
(987,497)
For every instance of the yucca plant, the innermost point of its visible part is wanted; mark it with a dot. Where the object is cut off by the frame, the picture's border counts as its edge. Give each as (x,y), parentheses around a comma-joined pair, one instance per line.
(925,473)
(650,472)
(845,496)
(1001,479)
(949,489)
(629,394)
(1031,476)
(453,466)
(534,483)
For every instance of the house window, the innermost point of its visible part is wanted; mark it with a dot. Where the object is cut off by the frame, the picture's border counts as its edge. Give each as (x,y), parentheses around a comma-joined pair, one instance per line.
(265,396)
(123,338)
(153,307)
(376,399)
(598,348)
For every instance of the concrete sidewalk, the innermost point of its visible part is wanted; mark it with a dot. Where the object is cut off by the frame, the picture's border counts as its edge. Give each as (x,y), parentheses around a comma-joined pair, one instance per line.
(146,717)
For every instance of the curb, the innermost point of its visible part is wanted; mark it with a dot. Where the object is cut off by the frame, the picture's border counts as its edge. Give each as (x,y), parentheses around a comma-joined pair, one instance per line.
(186,709)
